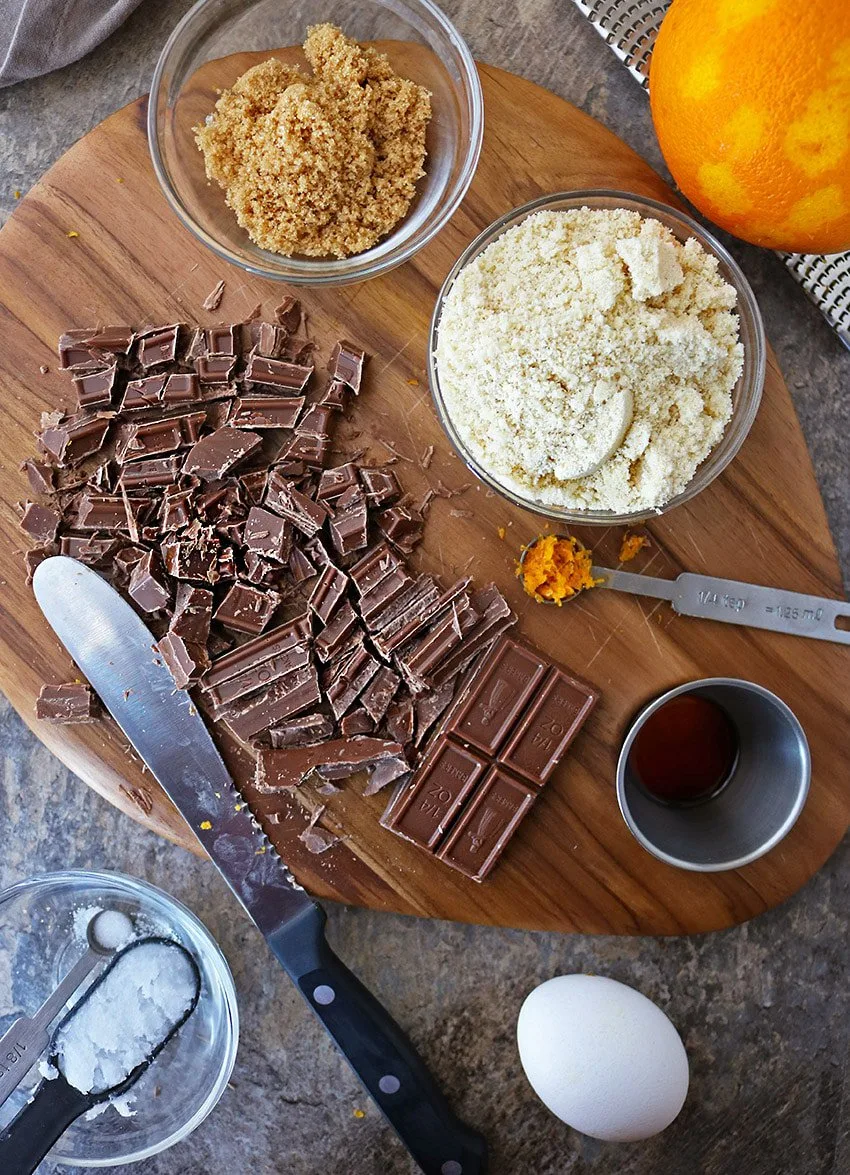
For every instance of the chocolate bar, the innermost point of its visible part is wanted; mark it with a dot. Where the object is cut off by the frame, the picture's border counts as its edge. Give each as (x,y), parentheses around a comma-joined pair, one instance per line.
(508,729)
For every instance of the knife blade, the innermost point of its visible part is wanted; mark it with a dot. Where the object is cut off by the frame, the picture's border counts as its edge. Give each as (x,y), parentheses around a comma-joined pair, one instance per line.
(118,655)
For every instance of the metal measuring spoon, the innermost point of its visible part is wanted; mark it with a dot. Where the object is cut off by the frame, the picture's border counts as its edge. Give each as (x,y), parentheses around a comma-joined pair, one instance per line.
(26,1040)
(56,1103)
(730,601)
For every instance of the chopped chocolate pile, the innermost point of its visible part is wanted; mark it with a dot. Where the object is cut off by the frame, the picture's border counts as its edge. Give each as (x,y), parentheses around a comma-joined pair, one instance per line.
(195,474)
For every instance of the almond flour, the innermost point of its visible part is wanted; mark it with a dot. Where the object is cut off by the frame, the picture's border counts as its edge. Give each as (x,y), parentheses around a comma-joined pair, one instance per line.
(587,359)
(321,164)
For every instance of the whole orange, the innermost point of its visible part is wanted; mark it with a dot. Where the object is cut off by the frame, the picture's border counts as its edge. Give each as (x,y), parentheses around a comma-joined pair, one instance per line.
(751,105)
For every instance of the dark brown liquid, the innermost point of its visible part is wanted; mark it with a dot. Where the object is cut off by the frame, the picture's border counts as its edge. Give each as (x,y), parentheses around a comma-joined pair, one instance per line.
(685,751)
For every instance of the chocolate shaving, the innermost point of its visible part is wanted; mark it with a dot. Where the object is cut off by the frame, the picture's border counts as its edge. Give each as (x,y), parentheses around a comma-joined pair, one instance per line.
(213,298)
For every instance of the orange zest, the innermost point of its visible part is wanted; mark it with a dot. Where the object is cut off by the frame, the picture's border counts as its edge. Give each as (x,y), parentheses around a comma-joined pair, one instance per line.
(631,544)
(554,569)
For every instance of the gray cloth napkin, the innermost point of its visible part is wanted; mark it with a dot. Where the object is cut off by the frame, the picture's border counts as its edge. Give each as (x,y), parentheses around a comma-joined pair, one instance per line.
(37,36)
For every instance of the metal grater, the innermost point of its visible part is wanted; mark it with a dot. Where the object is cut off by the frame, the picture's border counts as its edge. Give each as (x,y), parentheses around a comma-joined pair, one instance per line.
(630,27)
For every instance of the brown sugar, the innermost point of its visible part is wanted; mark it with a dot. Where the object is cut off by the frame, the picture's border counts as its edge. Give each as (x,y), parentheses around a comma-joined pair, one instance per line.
(323,164)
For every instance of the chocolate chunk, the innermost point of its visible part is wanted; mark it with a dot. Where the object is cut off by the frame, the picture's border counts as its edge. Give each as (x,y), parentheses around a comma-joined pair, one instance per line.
(402,526)
(84,348)
(429,707)
(94,388)
(292,377)
(334,482)
(312,451)
(213,455)
(247,608)
(267,534)
(339,632)
(158,345)
(374,566)
(496,617)
(356,722)
(375,602)
(297,732)
(112,512)
(328,592)
(441,786)
(40,523)
(260,672)
(76,438)
(380,485)
(348,524)
(143,393)
(41,477)
(223,339)
(262,648)
(346,364)
(389,771)
(424,616)
(288,313)
(378,694)
(152,437)
(300,567)
(181,388)
(286,500)
(290,695)
(193,608)
(267,339)
(400,719)
(193,555)
(315,422)
(259,570)
(266,411)
(185,659)
(254,485)
(33,557)
(176,508)
(394,615)
(335,395)
(126,558)
(148,586)
(348,677)
(66,704)
(91,549)
(214,369)
(150,473)
(281,770)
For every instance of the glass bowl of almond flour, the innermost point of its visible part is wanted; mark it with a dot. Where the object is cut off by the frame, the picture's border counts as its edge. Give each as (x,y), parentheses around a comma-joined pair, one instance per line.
(596,357)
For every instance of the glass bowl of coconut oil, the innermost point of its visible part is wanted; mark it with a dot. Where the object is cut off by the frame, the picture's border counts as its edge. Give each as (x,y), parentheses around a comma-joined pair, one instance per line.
(43,929)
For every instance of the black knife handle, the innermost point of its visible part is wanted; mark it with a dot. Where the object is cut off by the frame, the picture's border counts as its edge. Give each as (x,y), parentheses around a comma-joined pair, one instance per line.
(379,1052)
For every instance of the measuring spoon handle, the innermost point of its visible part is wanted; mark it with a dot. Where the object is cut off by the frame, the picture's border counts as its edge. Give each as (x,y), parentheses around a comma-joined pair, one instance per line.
(39,1124)
(762,607)
(24,1042)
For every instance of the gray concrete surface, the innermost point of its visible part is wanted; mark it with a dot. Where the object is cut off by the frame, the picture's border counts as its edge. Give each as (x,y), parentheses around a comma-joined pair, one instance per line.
(763,1009)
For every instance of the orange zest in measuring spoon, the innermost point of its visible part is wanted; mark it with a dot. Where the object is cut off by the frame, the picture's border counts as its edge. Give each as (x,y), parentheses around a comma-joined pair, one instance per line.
(555,569)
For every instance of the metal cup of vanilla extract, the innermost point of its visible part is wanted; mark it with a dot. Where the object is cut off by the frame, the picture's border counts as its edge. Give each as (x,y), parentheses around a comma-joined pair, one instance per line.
(713,774)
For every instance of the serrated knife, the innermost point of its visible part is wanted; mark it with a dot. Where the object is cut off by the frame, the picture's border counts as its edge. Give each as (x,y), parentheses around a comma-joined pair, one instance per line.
(117,654)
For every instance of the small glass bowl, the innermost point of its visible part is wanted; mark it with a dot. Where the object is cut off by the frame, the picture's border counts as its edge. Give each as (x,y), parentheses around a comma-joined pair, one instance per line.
(40,942)
(422,44)
(746,394)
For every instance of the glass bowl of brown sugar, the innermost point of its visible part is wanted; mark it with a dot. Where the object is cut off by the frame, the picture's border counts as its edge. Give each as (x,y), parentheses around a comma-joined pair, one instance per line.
(219,40)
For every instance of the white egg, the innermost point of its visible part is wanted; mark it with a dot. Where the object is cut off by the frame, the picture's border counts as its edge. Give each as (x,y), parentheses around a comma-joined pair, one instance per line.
(602,1057)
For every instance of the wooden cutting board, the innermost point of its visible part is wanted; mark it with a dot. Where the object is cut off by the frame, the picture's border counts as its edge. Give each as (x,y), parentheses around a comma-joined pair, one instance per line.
(573,865)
